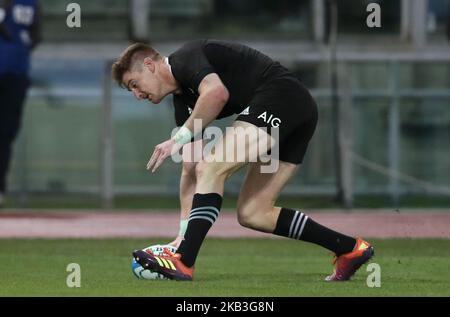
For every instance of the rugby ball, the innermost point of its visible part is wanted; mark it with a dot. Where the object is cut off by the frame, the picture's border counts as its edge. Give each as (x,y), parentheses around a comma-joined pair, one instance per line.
(146,274)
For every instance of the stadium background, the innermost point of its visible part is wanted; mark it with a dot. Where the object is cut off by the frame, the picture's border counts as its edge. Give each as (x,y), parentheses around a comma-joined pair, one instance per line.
(394,83)
(84,142)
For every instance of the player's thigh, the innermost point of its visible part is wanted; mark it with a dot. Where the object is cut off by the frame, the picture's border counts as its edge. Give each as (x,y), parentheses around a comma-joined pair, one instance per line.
(242,143)
(192,154)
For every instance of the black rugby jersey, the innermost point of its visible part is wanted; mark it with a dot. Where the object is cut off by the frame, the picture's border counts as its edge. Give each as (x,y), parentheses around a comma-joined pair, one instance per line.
(242,69)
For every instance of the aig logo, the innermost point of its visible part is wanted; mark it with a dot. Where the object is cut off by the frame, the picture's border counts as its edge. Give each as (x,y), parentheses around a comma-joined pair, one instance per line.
(273,121)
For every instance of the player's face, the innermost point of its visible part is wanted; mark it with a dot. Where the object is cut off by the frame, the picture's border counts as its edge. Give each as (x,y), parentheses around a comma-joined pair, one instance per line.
(143,84)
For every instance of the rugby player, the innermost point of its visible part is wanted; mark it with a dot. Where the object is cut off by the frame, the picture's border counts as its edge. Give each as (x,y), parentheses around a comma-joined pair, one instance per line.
(209,80)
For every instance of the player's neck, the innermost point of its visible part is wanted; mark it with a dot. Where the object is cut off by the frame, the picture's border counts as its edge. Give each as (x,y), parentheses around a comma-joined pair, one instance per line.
(170,78)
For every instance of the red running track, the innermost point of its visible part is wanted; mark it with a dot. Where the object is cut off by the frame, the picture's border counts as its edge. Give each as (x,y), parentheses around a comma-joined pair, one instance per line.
(375,223)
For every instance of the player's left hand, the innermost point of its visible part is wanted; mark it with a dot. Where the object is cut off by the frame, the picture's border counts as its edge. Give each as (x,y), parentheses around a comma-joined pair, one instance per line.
(161,152)
(176,243)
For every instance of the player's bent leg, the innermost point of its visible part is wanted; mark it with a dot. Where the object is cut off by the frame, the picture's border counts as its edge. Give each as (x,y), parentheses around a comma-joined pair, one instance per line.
(257,210)
(211,176)
(192,153)
(187,191)
(259,192)
(240,145)
(187,187)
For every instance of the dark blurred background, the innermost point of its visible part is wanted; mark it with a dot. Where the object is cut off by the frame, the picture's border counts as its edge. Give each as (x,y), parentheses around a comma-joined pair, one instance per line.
(85,143)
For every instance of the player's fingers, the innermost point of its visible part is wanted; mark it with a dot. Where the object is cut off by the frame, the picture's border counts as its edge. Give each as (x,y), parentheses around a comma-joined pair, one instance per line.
(154,158)
(158,163)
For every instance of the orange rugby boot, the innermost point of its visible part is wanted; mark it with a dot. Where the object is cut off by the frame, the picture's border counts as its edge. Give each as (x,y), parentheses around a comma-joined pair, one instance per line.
(347,264)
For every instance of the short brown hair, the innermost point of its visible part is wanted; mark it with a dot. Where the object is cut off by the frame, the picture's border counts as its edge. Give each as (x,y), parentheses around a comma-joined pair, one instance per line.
(129,57)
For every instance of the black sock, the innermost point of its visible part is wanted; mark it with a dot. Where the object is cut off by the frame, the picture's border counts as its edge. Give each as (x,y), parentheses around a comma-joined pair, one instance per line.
(296,225)
(205,209)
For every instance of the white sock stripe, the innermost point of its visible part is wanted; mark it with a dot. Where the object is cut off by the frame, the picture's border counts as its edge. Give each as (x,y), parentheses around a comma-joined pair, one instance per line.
(297,226)
(204,213)
(209,208)
(303,226)
(294,219)
(202,217)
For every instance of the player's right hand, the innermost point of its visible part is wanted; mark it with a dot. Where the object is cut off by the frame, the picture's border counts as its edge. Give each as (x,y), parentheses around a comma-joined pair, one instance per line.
(161,152)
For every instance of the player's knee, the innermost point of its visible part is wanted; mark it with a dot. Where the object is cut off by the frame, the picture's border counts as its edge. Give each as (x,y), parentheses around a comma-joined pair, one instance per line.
(245,221)
(247,215)
(201,169)
(189,169)
(255,213)
(212,169)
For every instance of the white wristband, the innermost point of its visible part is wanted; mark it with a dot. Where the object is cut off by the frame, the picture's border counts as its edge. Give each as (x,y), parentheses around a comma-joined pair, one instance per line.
(183,136)
(183,227)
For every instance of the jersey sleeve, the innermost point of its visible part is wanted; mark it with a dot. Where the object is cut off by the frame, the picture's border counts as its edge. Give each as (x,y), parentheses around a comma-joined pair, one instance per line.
(190,65)
(181,111)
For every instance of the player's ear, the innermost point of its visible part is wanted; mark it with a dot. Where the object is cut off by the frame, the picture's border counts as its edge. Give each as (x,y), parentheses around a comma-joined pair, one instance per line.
(149,63)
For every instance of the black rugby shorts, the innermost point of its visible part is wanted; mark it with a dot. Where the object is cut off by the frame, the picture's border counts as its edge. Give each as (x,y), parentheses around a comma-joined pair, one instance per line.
(284,104)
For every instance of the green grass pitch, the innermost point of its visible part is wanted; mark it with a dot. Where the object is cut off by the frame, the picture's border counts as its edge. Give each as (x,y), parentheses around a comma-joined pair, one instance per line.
(225,267)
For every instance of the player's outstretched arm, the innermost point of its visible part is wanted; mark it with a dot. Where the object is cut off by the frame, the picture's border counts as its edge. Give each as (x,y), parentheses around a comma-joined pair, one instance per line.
(213,97)
(187,187)
(187,190)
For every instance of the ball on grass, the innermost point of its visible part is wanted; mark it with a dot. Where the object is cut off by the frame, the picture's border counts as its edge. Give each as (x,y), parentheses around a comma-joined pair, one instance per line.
(146,274)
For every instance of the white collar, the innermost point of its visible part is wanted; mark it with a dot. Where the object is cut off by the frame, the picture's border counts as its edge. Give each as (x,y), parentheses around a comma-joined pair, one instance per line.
(166,60)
